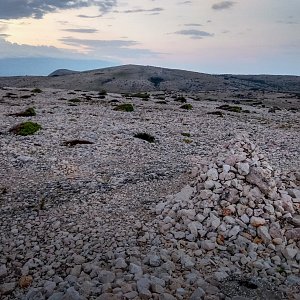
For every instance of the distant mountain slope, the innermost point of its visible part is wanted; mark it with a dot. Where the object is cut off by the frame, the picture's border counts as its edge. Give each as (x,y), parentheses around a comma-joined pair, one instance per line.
(134,78)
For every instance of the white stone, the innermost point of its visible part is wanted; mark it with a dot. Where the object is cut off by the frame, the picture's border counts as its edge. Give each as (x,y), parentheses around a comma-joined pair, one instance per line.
(263,232)
(243,168)
(209,184)
(290,252)
(226,168)
(213,174)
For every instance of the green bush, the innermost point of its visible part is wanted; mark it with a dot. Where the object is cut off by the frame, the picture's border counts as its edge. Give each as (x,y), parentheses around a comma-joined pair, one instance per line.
(187,106)
(26,128)
(145,136)
(128,107)
(186,134)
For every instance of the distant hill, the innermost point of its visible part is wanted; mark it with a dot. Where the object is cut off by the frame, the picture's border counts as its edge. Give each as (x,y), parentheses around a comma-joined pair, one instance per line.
(62,72)
(135,78)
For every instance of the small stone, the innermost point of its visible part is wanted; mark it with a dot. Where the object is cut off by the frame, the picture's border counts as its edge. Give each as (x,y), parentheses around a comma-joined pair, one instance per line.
(189,213)
(166,296)
(131,295)
(263,233)
(135,269)
(154,261)
(25,281)
(7,288)
(79,259)
(213,174)
(243,168)
(106,276)
(208,245)
(49,287)
(107,296)
(234,231)
(226,168)
(257,221)
(76,270)
(198,294)
(245,219)
(209,184)
(120,263)
(187,262)
(290,252)
(3,271)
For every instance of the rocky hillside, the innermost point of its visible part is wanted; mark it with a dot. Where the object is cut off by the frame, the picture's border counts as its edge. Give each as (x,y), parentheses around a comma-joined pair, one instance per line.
(133,78)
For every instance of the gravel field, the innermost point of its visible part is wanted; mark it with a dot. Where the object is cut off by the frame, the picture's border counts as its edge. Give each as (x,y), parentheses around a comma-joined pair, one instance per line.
(80,222)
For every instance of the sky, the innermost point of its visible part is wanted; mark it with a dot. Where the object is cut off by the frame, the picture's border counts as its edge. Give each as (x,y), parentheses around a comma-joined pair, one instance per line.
(209,36)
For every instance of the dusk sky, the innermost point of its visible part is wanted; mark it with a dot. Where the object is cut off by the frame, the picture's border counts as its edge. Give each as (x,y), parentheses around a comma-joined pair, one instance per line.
(211,36)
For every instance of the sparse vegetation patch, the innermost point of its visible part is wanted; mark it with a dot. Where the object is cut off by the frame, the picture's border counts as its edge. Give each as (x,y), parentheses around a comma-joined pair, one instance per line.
(217,113)
(187,134)
(227,107)
(187,106)
(75,100)
(26,128)
(29,112)
(128,107)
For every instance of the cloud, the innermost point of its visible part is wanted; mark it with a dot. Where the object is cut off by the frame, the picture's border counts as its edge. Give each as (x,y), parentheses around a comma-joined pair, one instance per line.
(185,2)
(194,33)
(15,9)
(141,10)
(193,25)
(8,49)
(81,30)
(109,48)
(89,17)
(223,5)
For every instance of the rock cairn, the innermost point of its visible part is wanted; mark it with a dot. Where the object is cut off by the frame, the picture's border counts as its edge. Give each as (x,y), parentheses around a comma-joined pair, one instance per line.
(239,213)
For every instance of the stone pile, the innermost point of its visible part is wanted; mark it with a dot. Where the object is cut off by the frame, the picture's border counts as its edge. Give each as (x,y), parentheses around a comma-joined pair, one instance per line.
(239,212)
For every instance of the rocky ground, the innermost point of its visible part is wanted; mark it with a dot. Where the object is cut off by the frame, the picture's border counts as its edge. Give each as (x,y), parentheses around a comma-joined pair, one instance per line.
(122,218)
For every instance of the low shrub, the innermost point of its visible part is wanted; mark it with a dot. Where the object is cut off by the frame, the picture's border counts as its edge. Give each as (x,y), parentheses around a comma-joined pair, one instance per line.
(186,134)
(187,106)
(128,107)
(73,143)
(227,107)
(36,90)
(26,128)
(74,100)
(217,113)
(145,136)
(29,112)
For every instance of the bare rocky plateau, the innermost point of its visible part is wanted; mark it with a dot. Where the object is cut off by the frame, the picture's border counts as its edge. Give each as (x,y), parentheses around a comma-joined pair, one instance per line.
(136,78)
(210,210)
